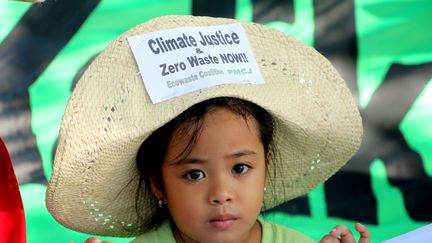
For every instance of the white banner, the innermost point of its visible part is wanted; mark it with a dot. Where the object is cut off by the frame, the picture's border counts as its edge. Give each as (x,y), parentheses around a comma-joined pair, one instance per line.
(178,61)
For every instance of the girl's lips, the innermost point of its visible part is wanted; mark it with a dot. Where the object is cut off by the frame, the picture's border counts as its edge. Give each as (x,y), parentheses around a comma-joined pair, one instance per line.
(222,221)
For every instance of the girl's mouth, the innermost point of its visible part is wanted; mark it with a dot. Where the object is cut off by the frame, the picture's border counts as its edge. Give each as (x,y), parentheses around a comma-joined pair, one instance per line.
(223,221)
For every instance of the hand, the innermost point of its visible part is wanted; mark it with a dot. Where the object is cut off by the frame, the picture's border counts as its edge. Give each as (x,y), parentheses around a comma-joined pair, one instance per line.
(341,234)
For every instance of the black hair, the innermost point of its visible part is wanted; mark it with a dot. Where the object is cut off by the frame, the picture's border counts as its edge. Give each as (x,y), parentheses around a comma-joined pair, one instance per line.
(152,151)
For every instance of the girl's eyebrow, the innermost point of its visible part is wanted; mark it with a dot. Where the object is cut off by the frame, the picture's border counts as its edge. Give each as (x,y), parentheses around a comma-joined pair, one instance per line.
(241,153)
(188,161)
(193,160)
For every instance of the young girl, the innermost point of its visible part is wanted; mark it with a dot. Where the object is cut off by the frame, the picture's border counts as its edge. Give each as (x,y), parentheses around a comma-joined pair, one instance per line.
(199,164)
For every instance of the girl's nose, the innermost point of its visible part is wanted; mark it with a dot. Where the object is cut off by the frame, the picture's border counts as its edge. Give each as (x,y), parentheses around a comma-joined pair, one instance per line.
(220,193)
(221,200)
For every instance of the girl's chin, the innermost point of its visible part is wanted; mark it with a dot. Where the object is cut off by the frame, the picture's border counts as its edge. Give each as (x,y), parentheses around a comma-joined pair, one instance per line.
(215,237)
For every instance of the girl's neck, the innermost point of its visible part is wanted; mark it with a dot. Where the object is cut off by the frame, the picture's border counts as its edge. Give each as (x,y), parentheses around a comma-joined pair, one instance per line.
(255,235)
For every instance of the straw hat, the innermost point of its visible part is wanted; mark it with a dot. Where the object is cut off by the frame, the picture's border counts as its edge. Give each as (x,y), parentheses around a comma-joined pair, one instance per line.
(109,115)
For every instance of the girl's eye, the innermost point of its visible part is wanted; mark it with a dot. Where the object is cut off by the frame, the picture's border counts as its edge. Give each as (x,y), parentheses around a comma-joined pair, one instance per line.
(240,168)
(194,175)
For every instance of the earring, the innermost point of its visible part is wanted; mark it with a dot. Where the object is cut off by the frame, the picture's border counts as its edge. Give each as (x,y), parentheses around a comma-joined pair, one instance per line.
(265,189)
(160,203)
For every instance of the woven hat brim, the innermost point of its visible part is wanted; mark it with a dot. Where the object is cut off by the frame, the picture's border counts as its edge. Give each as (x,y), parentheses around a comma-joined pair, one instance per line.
(94,181)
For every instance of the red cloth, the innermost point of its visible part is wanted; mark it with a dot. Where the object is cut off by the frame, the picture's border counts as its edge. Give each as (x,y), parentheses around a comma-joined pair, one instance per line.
(12,221)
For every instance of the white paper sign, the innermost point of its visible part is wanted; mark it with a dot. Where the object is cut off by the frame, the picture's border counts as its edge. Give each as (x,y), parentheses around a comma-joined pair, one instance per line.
(421,235)
(178,61)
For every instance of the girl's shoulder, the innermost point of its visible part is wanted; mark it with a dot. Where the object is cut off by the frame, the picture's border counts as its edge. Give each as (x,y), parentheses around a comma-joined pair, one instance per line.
(272,232)
(161,234)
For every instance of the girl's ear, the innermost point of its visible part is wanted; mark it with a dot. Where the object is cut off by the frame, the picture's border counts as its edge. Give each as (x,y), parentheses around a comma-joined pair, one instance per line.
(156,187)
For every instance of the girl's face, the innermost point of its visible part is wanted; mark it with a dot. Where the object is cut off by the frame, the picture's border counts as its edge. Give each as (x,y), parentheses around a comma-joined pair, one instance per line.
(215,193)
